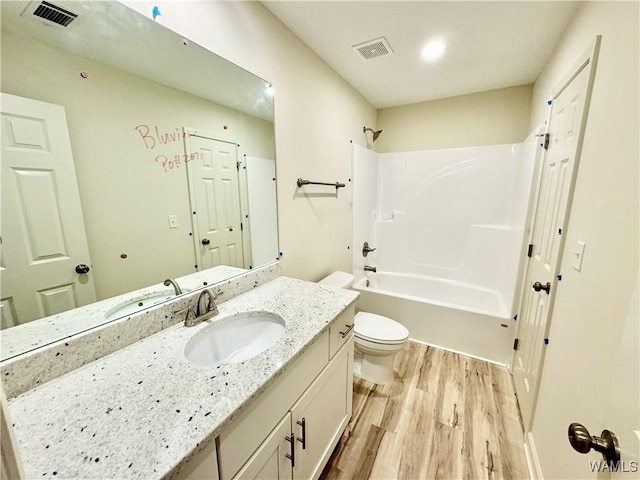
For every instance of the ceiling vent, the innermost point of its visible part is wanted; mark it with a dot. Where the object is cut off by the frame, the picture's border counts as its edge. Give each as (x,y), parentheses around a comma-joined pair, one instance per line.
(373,49)
(54,13)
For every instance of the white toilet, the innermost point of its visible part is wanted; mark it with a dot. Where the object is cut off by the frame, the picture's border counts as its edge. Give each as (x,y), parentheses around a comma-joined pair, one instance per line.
(377,338)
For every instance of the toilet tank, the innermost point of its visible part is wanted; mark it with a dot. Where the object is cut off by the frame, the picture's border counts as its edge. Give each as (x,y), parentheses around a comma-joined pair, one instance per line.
(337,280)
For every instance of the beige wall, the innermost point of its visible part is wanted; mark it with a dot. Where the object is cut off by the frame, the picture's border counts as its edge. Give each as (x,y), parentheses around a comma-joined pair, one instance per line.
(316,115)
(486,118)
(587,332)
(126,194)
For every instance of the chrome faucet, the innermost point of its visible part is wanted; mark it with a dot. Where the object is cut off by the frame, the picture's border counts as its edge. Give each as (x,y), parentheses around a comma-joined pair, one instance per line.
(176,287)
(367,268)
(207,307)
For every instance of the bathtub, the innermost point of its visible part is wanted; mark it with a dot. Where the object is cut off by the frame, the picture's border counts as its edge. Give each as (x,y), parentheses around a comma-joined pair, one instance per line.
(455,316)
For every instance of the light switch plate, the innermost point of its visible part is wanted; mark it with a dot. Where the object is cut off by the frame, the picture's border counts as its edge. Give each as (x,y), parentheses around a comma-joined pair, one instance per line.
(578,255)
(173,221)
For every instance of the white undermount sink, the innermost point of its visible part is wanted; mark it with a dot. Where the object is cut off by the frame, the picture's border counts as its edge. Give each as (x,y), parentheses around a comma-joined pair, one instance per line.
(234,339)
(138,303)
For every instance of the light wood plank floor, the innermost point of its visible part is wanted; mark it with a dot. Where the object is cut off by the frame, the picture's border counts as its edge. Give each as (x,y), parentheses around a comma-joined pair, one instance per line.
(445,416)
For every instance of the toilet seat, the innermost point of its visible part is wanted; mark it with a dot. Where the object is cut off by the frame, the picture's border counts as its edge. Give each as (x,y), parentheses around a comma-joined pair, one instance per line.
(379,329)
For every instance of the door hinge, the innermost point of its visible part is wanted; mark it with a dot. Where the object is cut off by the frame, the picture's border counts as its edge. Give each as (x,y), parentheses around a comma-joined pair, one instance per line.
(516,341)
(530,250)
(545,140)
(241,227)
(238,165)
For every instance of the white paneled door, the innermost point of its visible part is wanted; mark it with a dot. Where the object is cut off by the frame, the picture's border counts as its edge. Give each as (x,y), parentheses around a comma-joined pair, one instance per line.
(566,129)
(43,233)
(215,200)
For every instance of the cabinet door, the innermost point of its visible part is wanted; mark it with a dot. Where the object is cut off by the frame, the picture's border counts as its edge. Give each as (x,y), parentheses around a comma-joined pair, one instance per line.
(203,465)
(270,461)
(324,410)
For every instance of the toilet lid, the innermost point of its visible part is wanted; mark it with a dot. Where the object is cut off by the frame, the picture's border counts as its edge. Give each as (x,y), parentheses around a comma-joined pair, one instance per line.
(377,328)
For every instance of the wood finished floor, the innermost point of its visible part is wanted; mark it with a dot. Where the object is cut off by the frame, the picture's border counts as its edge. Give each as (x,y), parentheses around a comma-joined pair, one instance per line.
(445,416)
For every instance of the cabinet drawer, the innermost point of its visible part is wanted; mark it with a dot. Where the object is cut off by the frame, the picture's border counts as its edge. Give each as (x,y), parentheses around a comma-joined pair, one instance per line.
(341,331)
(240,440)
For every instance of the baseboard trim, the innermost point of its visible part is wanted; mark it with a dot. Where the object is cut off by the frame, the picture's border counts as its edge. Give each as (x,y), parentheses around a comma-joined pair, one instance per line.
(533,464)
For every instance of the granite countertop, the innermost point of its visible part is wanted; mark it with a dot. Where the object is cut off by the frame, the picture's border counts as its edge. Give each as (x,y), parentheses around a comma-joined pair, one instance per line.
(142,411)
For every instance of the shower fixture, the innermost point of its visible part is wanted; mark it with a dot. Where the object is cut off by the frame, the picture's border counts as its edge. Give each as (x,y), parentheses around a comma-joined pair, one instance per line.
(376,134)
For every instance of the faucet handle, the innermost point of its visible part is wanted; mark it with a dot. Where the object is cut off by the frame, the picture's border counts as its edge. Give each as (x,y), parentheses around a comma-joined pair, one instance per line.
(366,249)
(189,317)
(217,293)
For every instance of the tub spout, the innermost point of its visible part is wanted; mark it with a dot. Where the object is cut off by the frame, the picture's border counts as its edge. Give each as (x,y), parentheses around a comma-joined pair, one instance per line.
(367,268)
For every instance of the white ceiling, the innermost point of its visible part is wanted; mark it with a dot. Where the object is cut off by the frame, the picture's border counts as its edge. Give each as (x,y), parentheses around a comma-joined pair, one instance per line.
(489,44)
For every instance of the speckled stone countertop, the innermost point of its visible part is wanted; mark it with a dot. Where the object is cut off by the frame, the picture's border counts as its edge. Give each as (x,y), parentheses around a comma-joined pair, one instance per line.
(143,411)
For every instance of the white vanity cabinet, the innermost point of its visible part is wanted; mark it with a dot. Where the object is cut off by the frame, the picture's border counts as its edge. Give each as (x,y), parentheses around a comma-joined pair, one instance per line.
(291,430)
(320,416)
(271,460)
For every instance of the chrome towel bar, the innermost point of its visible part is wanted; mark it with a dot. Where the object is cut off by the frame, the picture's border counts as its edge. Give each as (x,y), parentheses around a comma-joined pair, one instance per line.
(302,182)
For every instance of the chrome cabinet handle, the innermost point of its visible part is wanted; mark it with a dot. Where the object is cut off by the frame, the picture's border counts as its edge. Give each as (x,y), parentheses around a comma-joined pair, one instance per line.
(349,327)
(292,456)
(303,440)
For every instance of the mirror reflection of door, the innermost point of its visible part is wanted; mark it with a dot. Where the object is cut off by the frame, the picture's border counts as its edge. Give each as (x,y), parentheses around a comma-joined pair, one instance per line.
(214,191)
(43,233)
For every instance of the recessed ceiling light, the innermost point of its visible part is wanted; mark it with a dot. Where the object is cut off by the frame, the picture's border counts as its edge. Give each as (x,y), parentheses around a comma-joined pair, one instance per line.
(433,50)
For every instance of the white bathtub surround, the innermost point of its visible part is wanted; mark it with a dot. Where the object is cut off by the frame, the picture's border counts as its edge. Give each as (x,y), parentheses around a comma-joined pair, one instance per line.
(97,339)
(448,228)
(143,411)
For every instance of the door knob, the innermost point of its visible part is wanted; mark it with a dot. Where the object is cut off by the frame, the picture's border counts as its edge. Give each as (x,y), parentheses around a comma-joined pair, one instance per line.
(205,241)
(538,286)
(82,268)
(606,443)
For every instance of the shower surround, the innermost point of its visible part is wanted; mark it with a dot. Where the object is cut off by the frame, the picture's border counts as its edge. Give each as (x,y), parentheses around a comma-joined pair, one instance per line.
(449,231)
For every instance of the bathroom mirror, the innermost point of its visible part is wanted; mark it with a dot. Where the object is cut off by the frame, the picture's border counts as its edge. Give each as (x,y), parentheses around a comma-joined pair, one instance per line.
(173,149)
